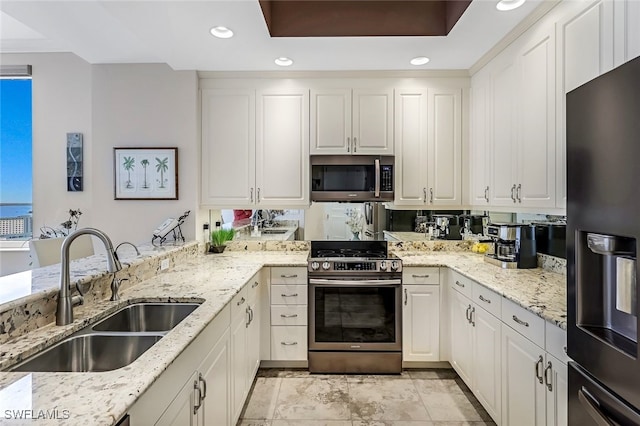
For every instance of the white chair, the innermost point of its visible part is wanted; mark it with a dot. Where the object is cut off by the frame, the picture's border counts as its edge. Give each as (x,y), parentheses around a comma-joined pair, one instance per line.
(47,251)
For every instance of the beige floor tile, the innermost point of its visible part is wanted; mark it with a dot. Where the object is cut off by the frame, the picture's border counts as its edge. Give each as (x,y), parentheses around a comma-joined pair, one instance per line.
(243,422)
(311,423)
(446,401)
(385,399)
(261,402)
(313,398)
(392,423)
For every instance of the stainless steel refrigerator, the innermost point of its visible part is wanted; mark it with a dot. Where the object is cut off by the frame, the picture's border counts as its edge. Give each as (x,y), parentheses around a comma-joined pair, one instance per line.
(375,216)
(603,230)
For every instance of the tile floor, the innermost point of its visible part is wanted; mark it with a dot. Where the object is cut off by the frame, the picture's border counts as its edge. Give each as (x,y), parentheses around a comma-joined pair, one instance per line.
(433,397)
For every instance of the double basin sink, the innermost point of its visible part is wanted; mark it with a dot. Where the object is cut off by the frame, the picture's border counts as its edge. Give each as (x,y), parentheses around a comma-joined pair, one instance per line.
(112,343)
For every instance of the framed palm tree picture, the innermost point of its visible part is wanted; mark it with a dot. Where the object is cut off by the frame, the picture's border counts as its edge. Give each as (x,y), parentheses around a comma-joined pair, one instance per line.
(145,173)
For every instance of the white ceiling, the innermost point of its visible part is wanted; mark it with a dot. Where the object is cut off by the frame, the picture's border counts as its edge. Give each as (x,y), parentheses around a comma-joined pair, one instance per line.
(177,33)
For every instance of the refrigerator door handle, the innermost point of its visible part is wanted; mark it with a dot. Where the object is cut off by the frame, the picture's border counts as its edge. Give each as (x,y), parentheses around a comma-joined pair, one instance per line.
(592,407)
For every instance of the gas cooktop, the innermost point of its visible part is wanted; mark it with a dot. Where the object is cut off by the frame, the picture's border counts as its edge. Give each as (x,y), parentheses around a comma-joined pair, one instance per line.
(349,257)
(339,249)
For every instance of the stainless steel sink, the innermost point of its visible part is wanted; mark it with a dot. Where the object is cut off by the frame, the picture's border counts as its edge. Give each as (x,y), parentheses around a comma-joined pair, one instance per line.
(274,231)
(146,317)
(90,352)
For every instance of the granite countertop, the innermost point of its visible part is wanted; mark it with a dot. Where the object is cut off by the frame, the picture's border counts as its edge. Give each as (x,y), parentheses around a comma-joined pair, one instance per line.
(213,280)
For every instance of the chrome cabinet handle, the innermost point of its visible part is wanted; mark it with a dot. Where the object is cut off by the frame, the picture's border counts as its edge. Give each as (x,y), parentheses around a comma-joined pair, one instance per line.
(289,315)
(537,368)
(518,191)
(513,190)
(431,195)
(471,315)
(483,299)
(355,144)
(547,378)
(289,295)
(241,301)
(420,276)
(348,144)
(251,196)
(255,284)
(288,343)
(424,192)
(405,297)
(246,324)
(468,314)
(258,196)
(486,194)
(459,284)
(204,385)
(289,276)
(198,403)
(519,321)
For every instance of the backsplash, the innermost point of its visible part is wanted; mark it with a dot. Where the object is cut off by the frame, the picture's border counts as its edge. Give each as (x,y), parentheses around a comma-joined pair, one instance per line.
(553,264)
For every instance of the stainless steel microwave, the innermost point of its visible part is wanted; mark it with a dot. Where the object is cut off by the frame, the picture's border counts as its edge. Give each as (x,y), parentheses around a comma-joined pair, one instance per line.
(351,178)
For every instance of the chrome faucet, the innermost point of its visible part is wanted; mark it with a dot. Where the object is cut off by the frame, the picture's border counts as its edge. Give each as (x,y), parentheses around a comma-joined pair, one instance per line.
(128,243)
(64,313)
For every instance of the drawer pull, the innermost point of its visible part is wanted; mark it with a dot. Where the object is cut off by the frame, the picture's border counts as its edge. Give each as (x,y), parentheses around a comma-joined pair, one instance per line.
(483,299)
(289,276)
(519,321)
(289,316)
(288,343)
(420,276)
(289,295)
(459,284)
(255,284)
(241,301)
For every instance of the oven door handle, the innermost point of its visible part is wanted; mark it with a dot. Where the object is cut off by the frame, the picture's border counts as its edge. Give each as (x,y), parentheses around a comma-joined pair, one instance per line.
(358,283)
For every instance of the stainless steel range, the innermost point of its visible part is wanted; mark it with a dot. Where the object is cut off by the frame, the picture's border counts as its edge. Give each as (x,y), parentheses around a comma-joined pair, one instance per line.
(355,308)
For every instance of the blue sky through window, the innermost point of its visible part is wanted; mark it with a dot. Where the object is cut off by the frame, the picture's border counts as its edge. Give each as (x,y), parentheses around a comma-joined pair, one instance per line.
(15,141)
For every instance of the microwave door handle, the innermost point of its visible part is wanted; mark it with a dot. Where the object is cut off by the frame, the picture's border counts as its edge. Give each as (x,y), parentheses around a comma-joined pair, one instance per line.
(377,165)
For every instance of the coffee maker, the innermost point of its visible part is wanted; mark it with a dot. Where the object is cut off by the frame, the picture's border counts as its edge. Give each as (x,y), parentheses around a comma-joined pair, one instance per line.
(514,245)
(446,227)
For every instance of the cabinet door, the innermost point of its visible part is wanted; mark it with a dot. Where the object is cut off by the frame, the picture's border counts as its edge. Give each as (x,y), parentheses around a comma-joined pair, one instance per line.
(411,146)
(479,140)
(486,361)
(372,125)
(238,364)
(228,147)
(282,148)
(421,323)
(557,384)
(536,178)
(445,147)
(253,341)
(330,121)
(523,394)
(461,335)
(503,130)
(215,382)
(181,410)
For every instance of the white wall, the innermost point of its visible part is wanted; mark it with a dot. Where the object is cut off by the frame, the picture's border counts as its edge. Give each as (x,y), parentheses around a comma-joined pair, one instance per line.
(112,105)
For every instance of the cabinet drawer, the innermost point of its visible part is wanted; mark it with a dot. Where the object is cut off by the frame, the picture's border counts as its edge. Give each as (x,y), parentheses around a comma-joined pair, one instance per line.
(239,302)
(288,275)
(556,341)
(289,343)
(289,315)
(462,284)
(487,299)
(524,322)
(289,294)
(421,276)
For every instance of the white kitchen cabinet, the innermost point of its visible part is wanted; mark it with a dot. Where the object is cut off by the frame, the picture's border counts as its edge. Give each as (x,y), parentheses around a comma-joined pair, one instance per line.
(479,143)
(215,374)
(255,148)
(421,323)
(228,147)
(181,410)
(282,148)
(257,293)
(461,335)
(239,352)
(428,128)
(557,390)
(352,121)
(288,334)
(486,384)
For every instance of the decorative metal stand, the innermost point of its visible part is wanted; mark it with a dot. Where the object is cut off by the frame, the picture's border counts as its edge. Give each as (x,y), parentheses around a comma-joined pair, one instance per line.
(176,232)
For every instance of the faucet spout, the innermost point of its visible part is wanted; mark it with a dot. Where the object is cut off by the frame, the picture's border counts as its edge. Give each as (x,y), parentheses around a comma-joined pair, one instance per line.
(64,313)
(127,243)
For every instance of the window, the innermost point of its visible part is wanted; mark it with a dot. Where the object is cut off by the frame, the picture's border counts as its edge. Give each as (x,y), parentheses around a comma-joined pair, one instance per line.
(16,222)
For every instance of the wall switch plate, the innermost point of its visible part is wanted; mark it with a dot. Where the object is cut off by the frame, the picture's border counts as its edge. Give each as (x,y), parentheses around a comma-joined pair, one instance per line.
(164,264)
(74,162)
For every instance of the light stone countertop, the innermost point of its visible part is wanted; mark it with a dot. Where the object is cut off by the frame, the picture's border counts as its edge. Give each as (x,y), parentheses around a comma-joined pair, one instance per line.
(103,398)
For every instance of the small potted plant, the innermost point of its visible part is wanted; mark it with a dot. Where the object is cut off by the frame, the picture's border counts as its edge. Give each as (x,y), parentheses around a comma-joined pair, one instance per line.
(219,237)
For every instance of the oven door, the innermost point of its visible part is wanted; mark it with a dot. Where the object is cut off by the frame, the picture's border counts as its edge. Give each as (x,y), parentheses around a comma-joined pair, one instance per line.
(355,314)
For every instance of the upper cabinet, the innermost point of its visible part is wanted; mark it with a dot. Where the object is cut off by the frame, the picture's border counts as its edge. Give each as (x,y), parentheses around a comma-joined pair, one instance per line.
(428,136)
(255,148)
(480,137)
(352,121)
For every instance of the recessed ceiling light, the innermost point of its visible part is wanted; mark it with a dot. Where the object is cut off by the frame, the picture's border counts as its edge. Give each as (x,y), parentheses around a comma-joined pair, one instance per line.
(419,60)
(504,5)
(283,61)
(221,32)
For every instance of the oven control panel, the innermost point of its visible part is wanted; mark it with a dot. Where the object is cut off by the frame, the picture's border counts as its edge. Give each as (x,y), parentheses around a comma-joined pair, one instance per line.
(380,266)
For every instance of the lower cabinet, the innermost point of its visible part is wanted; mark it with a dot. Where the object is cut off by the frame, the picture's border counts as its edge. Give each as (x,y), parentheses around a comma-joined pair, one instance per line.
(288,291)
(421,323)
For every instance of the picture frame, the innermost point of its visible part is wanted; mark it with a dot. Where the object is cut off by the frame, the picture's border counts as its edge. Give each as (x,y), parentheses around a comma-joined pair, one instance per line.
(145,173)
